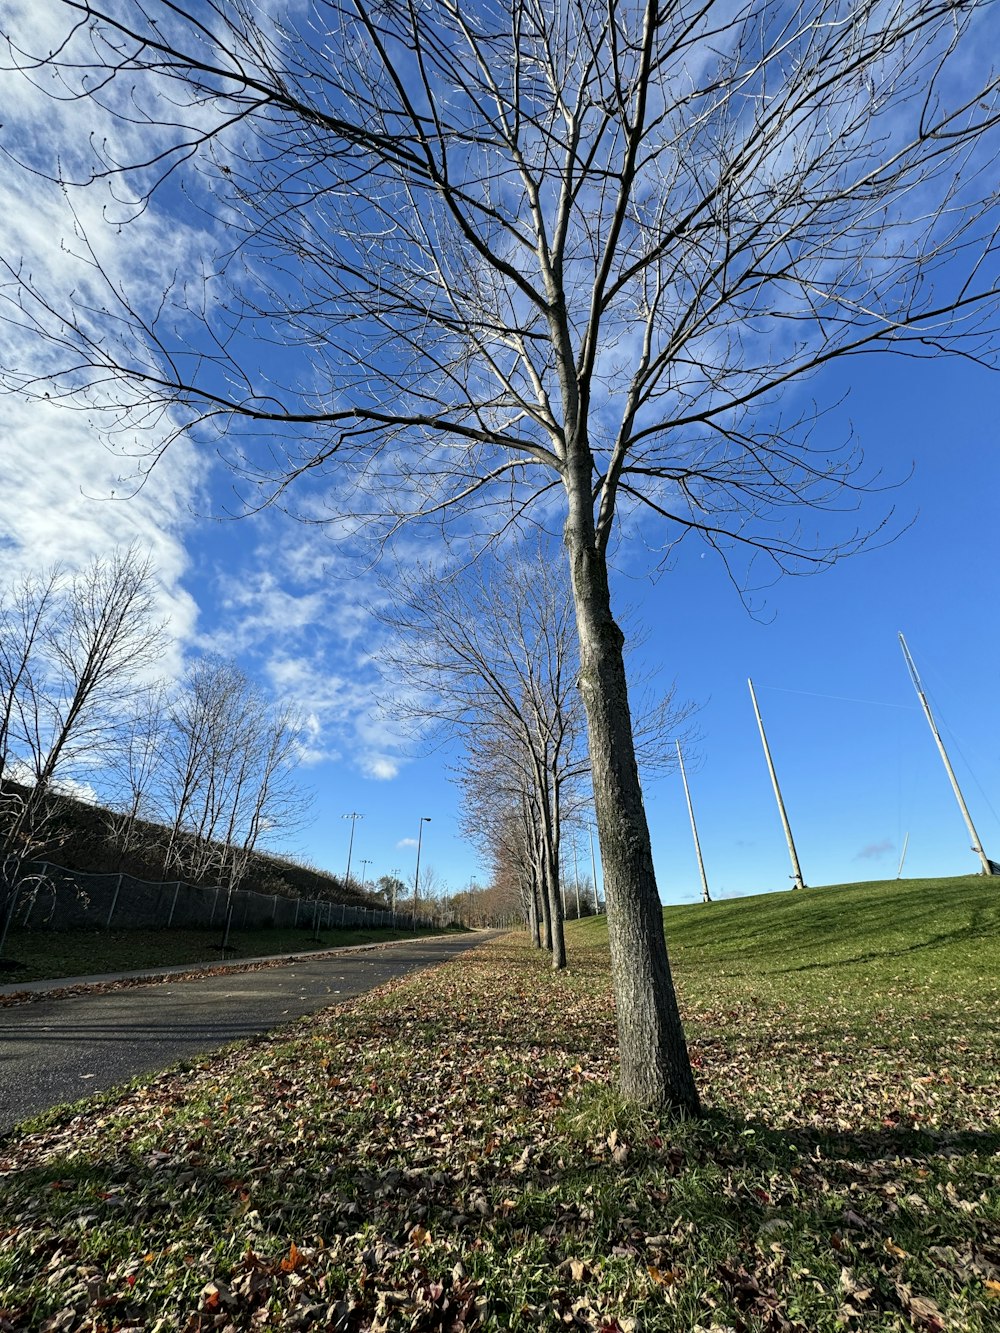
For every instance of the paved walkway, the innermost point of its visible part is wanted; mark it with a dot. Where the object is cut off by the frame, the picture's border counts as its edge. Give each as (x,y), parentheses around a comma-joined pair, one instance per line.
(59,1050)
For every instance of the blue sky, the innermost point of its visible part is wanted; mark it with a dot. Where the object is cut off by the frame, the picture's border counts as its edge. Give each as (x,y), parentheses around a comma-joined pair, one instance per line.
(853,753)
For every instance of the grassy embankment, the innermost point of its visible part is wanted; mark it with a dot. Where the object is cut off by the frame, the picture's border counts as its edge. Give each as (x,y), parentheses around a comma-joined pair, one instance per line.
(449,1153)
(45,955)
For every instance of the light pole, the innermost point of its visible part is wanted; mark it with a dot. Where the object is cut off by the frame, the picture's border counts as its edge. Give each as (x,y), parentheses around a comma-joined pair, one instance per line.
(424,819)
(706,897)
(353,817)
(796,874)
(365,861)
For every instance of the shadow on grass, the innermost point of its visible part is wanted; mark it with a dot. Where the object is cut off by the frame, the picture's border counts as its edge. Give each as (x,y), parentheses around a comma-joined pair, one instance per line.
(218,1184)
(712,1191)
(974,931)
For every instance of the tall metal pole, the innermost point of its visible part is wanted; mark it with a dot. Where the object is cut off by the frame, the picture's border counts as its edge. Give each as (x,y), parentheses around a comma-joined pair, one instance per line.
(424,819)
(365,861)
(796,871)
(977,846)
(705,895)
(353,817)
(902,858)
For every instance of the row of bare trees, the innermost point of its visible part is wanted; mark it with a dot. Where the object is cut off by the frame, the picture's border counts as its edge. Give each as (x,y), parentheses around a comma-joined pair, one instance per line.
(209,759)
(489,654)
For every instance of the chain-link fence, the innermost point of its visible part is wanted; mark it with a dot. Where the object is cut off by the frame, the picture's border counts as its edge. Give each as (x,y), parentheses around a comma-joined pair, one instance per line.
(54,898)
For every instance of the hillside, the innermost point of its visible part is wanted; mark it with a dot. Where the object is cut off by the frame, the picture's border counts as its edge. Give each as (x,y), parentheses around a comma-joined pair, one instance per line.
(82,841)
(940,935)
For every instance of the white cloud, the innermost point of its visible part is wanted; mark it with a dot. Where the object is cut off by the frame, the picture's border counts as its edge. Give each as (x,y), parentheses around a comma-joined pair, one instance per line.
(59,505)
(296,606)
(65,496)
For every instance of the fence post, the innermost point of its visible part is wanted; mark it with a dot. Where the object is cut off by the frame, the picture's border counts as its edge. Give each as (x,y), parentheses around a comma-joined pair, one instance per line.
(173,903)
(229,922)
(343,915)
(44,875)
(295,918)
(114,901)
(14,891)
(215,903)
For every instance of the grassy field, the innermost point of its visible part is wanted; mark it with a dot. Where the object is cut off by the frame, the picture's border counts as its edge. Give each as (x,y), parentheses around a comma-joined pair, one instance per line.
(449,1153)
(48,955)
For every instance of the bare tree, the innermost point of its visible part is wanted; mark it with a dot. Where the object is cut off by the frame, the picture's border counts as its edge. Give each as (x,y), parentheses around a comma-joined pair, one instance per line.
(267,799)
(567,259)
(225,773)
(134,766)
(71,650)
(498,816)
(490,655)
(99,637)
(197,720)
(24,612)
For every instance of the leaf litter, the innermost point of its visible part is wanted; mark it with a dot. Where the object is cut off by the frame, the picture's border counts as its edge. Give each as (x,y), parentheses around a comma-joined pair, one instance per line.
(448,1153)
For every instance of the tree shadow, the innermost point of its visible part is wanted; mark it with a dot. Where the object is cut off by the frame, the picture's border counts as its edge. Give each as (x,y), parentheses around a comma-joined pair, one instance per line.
(974,930)
(739,1185)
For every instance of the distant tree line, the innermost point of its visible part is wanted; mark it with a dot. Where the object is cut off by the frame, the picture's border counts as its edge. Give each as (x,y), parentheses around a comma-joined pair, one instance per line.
(489,655)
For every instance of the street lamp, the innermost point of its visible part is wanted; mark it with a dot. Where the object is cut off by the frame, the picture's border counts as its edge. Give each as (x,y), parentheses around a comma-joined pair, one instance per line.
(365,861)
(424,819)
(353,817)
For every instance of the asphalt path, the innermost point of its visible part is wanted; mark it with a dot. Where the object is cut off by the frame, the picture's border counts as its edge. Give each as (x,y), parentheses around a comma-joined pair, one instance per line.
(54,1051)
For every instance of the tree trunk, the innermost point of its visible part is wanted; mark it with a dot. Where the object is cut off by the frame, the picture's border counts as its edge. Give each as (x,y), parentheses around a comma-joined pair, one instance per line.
(534,916)
(555,911)
(541,896)
(554,885)
(654,1065)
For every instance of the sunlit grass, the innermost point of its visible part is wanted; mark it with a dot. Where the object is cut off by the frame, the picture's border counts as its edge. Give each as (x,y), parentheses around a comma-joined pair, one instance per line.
(450,1152)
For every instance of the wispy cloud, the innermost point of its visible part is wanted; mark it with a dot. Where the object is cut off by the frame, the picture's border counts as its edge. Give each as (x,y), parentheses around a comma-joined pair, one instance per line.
(59,504)
(65,495)
(295,606)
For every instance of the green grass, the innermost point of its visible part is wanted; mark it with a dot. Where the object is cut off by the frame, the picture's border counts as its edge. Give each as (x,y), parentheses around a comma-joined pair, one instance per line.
(49,955)
(449,1152)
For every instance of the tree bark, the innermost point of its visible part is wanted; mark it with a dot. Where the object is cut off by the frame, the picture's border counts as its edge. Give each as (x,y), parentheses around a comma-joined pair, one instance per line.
(534,921)
(541,894)
(555,909)
(654,1067)
(553,879)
